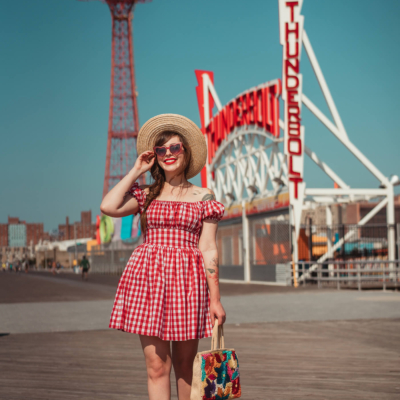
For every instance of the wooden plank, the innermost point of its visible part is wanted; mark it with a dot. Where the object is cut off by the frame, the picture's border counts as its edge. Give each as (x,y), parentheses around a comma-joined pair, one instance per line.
(43,286)
(294,360)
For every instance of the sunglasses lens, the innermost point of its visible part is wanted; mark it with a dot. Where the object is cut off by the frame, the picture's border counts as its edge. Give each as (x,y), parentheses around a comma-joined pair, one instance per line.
(175,148)
(161,151)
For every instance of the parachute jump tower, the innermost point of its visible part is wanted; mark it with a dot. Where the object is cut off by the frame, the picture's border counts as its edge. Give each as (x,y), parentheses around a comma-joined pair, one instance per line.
(123,122)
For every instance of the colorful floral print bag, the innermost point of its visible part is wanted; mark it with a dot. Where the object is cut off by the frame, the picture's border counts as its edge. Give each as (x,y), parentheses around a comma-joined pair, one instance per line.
(216,371)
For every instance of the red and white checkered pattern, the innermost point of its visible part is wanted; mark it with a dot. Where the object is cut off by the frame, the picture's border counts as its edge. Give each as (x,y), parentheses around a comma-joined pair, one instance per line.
(163,290)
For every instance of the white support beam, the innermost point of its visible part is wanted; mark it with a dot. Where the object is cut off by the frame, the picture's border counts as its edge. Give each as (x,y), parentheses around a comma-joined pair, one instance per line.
(373,212)
(321,116)
(329,221)
(348,235)
(345,192)
(322,83)
(324,199)
(246,243)
(325,168)
(312,155)
(346,142)
(390,219)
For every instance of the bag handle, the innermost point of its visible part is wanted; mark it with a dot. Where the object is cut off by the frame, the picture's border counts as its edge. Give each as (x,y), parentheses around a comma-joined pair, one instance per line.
(217,339)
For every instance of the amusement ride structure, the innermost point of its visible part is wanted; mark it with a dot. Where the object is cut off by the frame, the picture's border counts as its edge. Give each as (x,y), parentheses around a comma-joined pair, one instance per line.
(255,162)
(123,121)
(249,159)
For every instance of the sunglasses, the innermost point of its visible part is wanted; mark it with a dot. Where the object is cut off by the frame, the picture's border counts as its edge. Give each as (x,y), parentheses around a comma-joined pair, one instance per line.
(174,148)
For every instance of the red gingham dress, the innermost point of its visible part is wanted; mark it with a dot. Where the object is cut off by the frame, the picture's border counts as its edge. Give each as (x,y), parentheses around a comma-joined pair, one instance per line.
(163,290)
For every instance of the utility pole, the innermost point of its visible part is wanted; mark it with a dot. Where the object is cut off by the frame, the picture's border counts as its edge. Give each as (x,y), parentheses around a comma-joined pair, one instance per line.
(76,250)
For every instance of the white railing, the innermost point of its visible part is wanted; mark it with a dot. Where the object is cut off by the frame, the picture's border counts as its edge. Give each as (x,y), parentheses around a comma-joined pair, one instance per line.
(375,273)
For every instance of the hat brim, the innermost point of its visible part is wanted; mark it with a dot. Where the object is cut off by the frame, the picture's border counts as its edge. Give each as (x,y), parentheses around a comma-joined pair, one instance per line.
(176,123)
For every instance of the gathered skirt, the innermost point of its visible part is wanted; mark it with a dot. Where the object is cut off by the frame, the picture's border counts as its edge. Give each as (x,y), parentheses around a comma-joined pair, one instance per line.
(163,292)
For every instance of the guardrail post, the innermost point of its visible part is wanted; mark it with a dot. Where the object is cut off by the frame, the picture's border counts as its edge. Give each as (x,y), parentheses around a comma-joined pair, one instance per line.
(319,277)
(384,279)
(112,258)
(246,243)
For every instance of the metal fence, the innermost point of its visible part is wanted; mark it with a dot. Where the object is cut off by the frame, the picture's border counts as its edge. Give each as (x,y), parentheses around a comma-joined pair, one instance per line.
(111,258)
(350,274)
(270,252)
(270,248)
(230,250)
(343,242)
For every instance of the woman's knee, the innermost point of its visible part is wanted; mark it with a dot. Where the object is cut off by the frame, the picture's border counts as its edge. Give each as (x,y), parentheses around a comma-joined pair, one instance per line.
(158,356)
(158,369)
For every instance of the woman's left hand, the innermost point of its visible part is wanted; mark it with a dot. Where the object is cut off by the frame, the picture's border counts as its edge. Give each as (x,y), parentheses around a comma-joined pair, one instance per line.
(217,311)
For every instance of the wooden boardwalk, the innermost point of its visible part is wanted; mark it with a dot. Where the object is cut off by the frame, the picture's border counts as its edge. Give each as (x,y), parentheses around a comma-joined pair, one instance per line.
(294,360)
(44,287)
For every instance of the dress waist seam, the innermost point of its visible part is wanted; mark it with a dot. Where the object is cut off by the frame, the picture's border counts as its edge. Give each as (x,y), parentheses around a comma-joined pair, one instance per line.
(175,247)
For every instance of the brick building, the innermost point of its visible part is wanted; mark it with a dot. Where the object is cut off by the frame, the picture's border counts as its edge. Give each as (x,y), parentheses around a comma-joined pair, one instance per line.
(17,233)
(357,211)
(350,214)
(35,233)
(3,235)
(78,230)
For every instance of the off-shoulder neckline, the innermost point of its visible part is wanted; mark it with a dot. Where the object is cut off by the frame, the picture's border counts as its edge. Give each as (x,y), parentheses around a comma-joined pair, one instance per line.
(178,202)
(184,202)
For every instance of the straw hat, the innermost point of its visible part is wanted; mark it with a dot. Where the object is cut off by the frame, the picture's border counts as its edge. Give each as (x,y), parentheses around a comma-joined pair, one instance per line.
(176,123)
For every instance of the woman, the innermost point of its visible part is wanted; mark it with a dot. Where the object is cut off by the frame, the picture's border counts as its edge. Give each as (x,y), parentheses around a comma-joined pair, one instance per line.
(169,291)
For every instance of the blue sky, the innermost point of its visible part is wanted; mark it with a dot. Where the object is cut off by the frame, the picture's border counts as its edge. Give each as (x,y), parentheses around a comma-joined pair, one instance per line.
(55,85)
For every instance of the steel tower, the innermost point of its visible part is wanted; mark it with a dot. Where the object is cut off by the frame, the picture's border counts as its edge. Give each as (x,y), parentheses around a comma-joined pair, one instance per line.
(123,122)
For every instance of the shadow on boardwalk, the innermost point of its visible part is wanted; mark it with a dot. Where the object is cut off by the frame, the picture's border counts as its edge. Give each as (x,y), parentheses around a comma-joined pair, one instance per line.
(44,287)
(288,360)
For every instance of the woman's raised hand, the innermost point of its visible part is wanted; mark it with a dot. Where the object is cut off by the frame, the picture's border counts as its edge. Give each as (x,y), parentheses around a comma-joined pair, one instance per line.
(145,161)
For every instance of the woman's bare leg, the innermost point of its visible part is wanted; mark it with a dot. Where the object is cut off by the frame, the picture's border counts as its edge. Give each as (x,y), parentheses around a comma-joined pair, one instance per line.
(183,354)
(157,353)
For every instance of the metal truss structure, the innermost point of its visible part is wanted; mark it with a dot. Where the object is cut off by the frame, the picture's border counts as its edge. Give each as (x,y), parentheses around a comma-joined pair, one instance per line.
(343,192)
(248,163)
(123,123)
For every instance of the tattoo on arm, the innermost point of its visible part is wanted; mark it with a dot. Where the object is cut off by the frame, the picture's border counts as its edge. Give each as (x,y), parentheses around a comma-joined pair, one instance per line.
(214,270)
(209,196)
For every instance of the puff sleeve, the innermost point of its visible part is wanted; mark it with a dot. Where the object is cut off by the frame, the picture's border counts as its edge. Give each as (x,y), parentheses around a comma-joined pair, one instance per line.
(139,194)
(213,209)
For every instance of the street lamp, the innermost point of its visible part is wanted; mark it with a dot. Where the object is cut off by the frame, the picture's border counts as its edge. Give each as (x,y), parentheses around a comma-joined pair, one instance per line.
(230,198)
(394,180)
(253,190)
(279,181)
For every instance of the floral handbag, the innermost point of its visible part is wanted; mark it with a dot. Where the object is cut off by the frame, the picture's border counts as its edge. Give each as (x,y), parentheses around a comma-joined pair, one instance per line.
(216,371)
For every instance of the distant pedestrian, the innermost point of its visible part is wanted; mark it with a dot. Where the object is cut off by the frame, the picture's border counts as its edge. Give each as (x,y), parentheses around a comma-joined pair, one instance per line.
(85,267)
(25,266)
(4,267)
(53,267)
(58,266)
